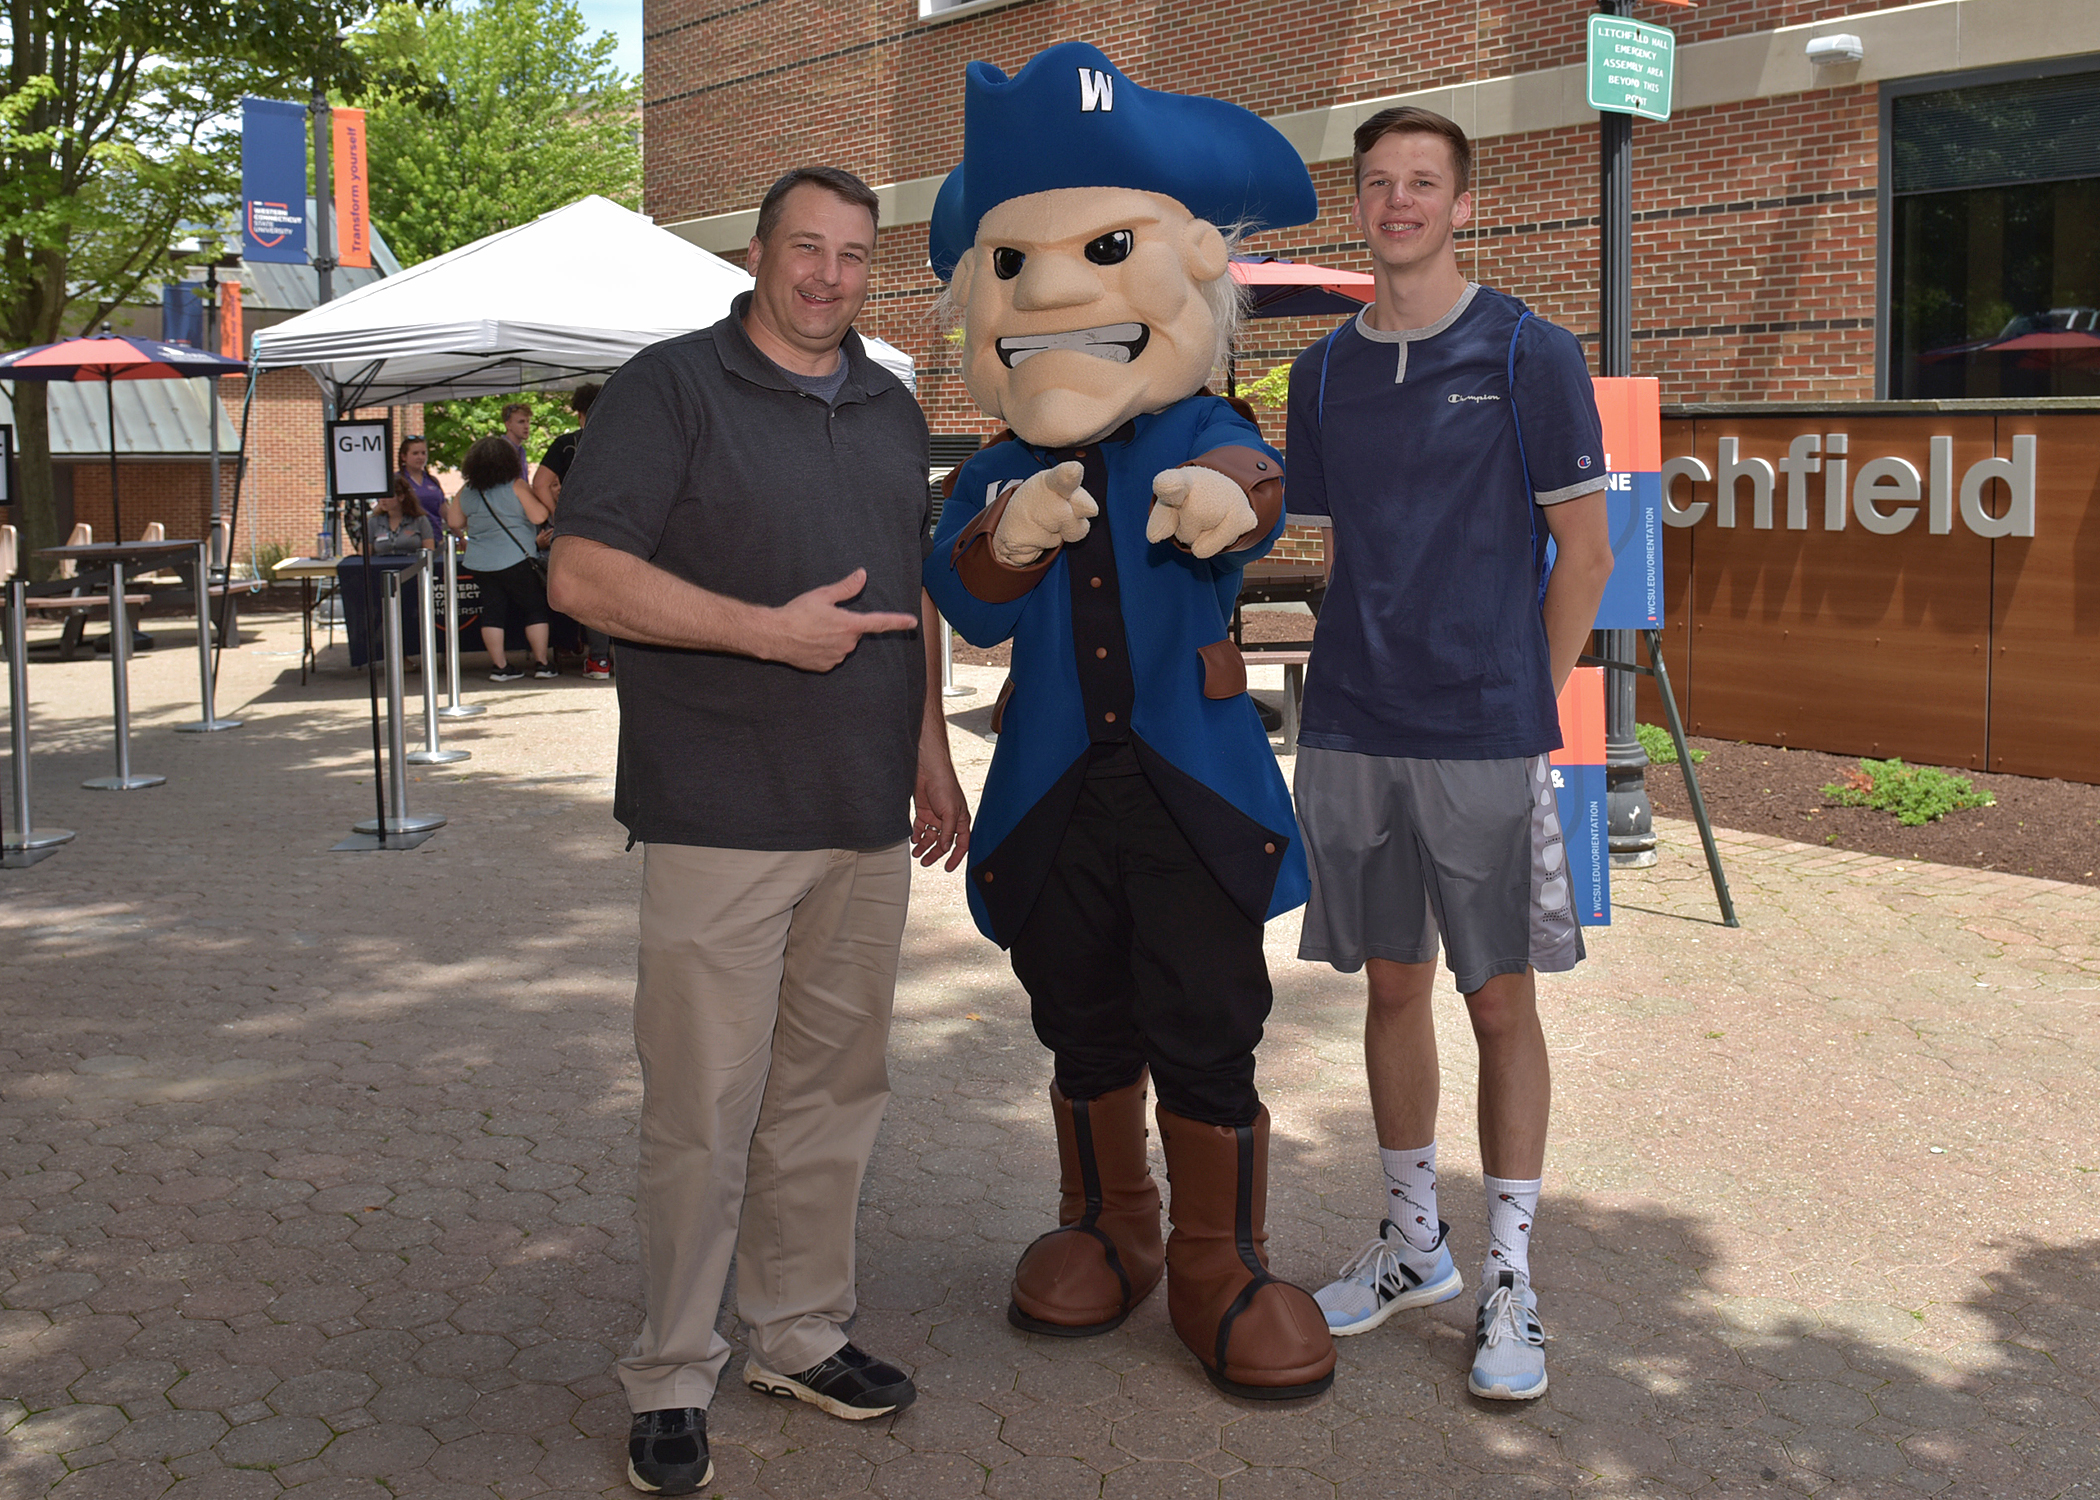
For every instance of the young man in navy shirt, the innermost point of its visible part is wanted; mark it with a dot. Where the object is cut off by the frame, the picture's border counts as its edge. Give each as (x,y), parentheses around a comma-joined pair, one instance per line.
(1445,434)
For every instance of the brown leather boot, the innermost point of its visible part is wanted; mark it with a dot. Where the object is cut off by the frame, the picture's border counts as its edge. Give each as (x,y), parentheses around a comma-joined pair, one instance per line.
(1256,1336)
(1104,1258)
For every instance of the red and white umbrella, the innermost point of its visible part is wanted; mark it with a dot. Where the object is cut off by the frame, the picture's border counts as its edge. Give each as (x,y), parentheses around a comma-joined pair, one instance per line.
(109,358)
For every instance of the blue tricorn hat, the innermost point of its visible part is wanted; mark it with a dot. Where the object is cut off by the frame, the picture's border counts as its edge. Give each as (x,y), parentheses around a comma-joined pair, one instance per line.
(1070,119)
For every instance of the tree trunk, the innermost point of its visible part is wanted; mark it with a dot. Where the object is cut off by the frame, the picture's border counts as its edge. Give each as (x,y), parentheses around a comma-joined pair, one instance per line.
(37,509)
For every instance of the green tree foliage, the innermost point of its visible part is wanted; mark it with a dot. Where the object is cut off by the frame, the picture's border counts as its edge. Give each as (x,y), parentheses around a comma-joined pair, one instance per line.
(1272,391)
(505,110)
(114,136)
(452,427)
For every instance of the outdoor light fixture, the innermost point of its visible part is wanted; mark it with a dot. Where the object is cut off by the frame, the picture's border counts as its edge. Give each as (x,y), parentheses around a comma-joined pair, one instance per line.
(1826,51)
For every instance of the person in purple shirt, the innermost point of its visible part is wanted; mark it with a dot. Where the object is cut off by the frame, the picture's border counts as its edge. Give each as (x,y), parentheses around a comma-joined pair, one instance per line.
(414,468)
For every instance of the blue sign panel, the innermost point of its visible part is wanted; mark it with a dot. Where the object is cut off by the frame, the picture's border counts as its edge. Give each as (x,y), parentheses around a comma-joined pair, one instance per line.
(1578,794)
(273,181)
(1633,599)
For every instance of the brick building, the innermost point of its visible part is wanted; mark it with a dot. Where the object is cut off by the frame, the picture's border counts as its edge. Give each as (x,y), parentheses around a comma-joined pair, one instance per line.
(1767,213)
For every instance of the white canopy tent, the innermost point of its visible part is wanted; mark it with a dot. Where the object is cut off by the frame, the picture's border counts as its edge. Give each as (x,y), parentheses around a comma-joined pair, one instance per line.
(570,297)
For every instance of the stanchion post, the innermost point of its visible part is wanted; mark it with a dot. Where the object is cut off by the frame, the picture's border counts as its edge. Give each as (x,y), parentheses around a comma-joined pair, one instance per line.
(948,687)
(432,754)
(120,690)
(454,709)
(211,722)
(397,819)
(28,843)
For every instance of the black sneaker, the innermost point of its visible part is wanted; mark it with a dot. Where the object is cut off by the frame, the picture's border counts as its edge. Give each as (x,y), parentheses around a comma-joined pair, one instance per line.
(850,1384)
(667,1451)
(506,674)
(546,669)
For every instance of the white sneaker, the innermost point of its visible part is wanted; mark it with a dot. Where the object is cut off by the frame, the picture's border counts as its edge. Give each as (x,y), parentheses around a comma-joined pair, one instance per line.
(1509,1347)
(1389,1275)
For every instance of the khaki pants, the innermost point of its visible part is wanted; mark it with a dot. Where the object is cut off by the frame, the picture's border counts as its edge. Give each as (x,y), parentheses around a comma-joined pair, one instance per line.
(762,1017)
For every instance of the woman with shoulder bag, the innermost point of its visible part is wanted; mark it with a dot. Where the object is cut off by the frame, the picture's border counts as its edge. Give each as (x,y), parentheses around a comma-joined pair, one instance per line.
(500,515)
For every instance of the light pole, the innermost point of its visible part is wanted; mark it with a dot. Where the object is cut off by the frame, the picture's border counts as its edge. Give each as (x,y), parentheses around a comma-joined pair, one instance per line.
(1629,817)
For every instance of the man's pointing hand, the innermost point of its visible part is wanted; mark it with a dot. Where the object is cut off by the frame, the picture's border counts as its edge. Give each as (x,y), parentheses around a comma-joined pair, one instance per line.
(812,632)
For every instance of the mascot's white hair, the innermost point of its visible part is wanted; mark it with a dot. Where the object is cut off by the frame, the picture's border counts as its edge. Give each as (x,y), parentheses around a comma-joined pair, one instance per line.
(1225,297)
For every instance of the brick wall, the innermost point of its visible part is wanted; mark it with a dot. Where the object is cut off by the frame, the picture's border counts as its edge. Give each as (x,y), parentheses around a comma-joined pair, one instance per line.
(176,494)
(1754,233)
(285,490)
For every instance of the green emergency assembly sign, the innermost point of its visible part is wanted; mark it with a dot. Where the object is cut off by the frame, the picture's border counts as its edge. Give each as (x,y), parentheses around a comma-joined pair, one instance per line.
(1630,67)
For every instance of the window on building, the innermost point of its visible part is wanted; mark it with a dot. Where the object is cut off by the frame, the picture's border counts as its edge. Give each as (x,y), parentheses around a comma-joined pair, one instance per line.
(1994,239)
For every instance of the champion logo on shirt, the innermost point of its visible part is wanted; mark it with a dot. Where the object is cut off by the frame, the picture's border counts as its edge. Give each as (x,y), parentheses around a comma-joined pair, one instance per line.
(1456,399)
(1583,462)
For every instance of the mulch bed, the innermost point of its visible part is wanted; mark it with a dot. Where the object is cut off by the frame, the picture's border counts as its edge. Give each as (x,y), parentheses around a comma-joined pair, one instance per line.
(2045,828)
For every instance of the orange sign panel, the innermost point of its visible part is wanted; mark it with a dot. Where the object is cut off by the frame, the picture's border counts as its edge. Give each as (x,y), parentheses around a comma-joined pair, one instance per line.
(353,199)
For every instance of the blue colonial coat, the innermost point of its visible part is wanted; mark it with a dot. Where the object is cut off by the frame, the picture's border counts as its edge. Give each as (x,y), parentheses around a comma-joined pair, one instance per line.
(1208,758)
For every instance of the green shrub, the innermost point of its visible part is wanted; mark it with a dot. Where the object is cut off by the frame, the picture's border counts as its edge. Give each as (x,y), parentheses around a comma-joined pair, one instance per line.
(1660,749)
(1915,794)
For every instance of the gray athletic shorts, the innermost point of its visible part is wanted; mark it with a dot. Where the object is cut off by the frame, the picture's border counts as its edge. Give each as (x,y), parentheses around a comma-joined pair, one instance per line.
(1404,850)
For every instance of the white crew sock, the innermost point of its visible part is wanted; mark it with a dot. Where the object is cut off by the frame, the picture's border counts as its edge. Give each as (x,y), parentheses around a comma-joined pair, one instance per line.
(1410,1194)
(1512,1205)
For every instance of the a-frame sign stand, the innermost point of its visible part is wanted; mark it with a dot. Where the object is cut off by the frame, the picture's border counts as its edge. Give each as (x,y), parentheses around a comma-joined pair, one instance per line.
(1661,674)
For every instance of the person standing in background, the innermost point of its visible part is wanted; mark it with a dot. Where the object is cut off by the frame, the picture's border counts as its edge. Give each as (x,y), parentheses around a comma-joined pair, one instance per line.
(500,516)
(414,461)
(546,483)
(517,431)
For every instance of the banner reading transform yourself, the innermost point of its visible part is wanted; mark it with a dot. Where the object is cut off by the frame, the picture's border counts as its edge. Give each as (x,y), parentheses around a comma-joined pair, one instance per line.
(273,181)
(353,209)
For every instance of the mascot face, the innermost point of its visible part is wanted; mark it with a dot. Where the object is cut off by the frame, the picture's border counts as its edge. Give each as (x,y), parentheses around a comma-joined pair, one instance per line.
(1084,307)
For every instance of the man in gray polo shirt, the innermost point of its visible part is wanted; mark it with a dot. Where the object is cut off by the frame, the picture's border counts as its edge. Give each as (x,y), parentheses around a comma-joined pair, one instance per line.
(748,519)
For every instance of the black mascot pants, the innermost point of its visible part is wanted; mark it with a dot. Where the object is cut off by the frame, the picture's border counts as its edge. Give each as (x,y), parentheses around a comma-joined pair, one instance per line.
(1134,954)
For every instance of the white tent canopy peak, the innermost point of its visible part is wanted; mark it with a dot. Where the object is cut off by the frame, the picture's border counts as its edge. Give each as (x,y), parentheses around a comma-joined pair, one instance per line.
(569,297)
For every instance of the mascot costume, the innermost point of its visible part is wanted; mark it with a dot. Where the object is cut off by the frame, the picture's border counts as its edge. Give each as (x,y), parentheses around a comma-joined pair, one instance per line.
(1135,832)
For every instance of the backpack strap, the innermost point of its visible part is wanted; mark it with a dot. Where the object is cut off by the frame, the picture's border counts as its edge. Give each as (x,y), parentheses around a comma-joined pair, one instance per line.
(1531,510)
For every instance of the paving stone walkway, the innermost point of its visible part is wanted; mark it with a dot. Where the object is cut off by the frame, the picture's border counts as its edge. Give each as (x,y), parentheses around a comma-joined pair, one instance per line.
(316,1169)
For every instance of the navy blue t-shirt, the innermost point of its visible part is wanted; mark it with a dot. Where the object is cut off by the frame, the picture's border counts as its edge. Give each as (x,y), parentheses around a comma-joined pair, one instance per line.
(1430,643)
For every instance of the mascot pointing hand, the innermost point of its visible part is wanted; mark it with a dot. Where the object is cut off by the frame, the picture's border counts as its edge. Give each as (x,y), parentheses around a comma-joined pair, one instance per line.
(1135,832)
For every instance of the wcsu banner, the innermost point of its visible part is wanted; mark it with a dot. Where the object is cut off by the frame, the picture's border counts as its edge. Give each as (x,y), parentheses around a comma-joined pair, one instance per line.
(353,206)
(1632,411)
(273,181)
(1578,793)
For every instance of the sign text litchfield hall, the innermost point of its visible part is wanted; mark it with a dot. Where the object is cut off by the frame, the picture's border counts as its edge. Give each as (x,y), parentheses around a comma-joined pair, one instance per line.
(1884,495)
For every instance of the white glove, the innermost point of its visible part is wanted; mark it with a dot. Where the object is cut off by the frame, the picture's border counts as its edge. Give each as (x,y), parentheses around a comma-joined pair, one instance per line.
(1200,508)
(1048,510)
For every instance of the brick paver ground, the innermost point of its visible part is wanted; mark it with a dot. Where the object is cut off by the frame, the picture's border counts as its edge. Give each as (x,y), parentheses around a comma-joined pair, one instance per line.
(318,1167)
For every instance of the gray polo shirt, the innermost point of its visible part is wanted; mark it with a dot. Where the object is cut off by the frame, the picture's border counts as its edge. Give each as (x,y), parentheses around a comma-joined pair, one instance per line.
(703,457)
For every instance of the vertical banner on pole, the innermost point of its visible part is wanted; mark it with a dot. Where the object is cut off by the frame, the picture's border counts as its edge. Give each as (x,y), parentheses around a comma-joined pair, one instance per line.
(182,314)
(353,218)
(1578,791)
(1632,411)
(7,463)
(273,181)
(230,334)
